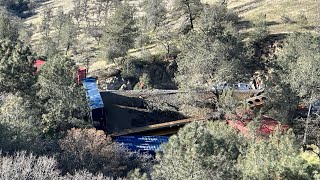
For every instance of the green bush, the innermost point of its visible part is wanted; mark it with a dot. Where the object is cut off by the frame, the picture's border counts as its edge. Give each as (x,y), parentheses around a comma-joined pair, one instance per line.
(274,158)
(199,151)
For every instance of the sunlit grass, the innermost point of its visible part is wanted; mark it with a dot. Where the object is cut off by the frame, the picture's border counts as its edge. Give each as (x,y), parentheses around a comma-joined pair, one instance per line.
(275,10)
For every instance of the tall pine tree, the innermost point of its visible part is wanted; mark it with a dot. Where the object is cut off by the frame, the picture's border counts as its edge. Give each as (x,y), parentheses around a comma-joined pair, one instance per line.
(120,32)
(16,68)
(64,103)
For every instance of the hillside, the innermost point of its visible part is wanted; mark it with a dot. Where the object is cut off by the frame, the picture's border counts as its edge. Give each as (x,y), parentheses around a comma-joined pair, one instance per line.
(187,89)
(283,15)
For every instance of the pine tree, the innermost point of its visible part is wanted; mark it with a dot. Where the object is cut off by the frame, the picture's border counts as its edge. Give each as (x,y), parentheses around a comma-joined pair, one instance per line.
(155,13)
(19,124)
(69,34)
(189,10)
(212,54)
(63,101)
(120,32)
(16,68)
(298,67)
(8,27)
(274,158)
(299,64)
(199,151)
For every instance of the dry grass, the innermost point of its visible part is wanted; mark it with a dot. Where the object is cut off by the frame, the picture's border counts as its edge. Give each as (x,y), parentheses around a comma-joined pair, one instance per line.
(249,10)
(275,10)
(101,64)
(54,4)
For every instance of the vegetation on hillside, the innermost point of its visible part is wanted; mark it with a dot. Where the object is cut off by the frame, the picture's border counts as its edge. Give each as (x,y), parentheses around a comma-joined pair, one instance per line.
(45,129)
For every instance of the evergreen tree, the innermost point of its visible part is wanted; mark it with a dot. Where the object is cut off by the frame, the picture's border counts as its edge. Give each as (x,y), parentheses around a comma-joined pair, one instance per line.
(282,101)
(189,10)
(46,21)
(8,27)
(16,68)
(68,34)
(199,151)
(274,158)
(214,53)
(155,13)
(19,124)
(299,64)
(58,21)
(63,101)
(298,67)
(120,32)
(47,47)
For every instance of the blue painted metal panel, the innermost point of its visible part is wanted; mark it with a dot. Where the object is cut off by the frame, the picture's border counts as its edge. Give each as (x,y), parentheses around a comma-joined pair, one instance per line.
(142,143)
(93,94)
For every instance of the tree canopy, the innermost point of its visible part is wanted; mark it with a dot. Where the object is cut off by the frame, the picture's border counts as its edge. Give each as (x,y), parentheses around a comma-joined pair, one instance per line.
(120,31)
(212,54)
(155,13)
(189,10)
(63,101)
(16,68)
(300,62)
(199,151)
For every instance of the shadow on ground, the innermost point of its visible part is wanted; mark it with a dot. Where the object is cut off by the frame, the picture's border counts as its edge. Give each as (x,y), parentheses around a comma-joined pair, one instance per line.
(125,112)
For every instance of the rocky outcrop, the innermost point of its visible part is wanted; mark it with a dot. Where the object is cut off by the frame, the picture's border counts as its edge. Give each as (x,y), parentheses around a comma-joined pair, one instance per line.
(116,83)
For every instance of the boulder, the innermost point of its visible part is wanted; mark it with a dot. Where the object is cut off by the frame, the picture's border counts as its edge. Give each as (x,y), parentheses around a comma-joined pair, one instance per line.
(114,83)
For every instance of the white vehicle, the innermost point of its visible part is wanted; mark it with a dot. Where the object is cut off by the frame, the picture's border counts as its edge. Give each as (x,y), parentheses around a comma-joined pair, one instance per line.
(237,86)
(242,86)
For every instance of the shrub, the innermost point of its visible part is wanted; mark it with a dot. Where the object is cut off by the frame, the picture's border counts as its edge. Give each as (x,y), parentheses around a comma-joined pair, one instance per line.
(93,150)
(199,151)
(23,166)
(85,175)
(274,158)
(19,127)
(144,82)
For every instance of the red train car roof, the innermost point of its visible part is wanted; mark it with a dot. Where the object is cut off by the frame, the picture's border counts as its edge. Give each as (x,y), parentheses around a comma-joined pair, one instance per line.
(267,126)
(38,63)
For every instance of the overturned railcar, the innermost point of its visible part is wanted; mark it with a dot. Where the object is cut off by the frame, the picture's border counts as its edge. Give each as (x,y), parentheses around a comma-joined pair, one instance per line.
(97,113)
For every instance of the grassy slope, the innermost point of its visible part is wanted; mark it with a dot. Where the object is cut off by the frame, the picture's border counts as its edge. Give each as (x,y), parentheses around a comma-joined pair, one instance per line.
(274,10)
(54,4)
(249,10)
(36,19)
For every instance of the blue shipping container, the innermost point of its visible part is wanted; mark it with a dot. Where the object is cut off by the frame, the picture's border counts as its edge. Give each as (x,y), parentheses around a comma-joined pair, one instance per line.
(142,143)
(93,94)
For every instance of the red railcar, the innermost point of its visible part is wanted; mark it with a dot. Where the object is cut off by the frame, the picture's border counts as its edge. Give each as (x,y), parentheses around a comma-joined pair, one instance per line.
(266,126)
(37,64)
(81,73)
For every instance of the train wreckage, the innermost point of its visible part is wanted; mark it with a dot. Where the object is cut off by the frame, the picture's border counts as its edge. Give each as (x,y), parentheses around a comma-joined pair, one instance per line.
(133,118)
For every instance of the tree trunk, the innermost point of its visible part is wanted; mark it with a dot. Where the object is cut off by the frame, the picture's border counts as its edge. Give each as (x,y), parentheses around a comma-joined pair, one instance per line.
(307,123)
(67,49)
(190,14)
